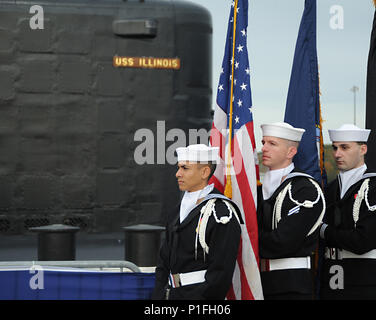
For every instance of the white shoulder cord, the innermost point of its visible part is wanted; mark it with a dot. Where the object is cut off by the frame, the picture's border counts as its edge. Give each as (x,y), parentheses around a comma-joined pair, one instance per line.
(206,212)
(278,206)
(362,194)
(306,204)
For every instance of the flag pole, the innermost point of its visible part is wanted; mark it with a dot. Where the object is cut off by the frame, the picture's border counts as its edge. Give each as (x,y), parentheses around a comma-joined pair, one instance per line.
(228,187)
(321,149)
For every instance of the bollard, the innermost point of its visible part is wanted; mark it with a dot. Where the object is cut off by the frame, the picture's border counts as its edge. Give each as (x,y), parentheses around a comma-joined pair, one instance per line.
(56,242)
(142,244)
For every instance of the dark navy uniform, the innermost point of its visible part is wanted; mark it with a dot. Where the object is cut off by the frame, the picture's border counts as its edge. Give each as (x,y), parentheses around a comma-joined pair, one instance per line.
(182,254)
(349,268)
(288,236)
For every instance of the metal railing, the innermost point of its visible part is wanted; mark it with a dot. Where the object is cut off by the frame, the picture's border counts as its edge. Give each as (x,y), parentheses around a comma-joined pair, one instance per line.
(85,264)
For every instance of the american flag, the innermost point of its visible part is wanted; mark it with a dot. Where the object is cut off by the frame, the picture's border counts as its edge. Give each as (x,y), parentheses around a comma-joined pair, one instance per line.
(234,82)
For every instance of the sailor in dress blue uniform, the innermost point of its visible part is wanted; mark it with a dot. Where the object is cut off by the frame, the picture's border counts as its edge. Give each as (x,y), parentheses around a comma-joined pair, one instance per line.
(349,229)
(197,258)
(291,206)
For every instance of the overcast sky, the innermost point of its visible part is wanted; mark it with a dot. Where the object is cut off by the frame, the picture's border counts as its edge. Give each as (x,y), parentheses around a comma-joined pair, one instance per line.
(272,32)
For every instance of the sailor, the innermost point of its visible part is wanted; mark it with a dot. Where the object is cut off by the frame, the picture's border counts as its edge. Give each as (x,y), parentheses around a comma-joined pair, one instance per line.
(290,211)
(349,227)
(197,258)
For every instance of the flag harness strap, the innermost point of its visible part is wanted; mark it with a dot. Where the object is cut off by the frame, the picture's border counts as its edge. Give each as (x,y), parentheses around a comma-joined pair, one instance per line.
(306,204)
(206,212)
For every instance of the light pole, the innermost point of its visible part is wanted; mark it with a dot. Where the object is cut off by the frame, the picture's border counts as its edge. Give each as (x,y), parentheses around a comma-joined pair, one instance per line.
(354,89)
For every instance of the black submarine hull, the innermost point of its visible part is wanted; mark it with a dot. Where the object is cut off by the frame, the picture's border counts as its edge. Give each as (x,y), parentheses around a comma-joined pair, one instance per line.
(84,135)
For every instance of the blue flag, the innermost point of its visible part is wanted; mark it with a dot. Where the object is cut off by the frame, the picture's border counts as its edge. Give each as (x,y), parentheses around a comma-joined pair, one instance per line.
(303,101)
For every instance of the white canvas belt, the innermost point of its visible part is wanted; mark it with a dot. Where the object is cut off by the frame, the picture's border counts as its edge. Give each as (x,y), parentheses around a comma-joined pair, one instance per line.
(338,254)
(285,263)
(185,279)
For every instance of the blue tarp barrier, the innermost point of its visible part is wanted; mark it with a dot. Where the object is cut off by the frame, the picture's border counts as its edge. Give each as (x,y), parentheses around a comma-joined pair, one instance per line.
(74,285)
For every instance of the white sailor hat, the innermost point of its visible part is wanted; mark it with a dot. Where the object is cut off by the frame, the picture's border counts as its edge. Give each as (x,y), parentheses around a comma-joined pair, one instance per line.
(282,130)
(349,132)
(198,153)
